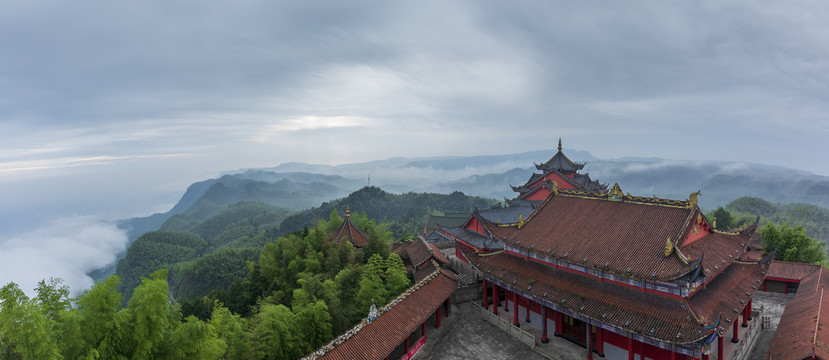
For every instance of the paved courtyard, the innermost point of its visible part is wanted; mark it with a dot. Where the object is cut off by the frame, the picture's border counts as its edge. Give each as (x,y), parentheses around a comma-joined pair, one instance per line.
(465,335)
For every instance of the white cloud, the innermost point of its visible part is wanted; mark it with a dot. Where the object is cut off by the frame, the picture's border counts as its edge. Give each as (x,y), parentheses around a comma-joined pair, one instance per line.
(68,248)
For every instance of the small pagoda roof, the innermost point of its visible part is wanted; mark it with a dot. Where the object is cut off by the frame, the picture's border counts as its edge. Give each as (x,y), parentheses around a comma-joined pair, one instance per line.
(402,316)
(347,231)
(560,162)
(800,334)
(663,318)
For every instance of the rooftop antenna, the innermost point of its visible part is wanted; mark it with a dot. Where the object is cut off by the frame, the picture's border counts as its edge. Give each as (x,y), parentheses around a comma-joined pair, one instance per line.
(369,179)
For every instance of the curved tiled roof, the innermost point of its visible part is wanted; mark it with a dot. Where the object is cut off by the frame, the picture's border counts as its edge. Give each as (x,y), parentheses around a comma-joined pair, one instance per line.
(561,163)
(377,339)
(506,215)
(729,291)
(595,232)
(473,238)
(663,318)
(625,235)
(791,270)
(800,334)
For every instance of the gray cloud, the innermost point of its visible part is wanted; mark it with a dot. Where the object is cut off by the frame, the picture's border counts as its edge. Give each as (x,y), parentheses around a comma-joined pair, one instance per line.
(108,108)
(68,249)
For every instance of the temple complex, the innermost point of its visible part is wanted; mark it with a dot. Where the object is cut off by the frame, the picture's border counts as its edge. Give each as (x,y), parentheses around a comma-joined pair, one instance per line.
(622,276)
(607,270)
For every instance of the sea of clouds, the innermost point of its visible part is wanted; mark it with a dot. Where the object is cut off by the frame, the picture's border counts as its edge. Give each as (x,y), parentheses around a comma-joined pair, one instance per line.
(67,248)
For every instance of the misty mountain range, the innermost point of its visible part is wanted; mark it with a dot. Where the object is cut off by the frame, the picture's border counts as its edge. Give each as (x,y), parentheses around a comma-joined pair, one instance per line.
(298,186)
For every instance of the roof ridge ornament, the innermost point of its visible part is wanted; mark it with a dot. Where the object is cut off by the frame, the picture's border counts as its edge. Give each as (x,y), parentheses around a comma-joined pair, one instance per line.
(520,220)
(669,247)
(615,193)
(692,199)
(372,312)
(559,143)
(347,211)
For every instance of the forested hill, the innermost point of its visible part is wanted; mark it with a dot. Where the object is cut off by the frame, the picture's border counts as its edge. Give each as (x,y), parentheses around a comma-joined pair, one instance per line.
(291,190)
(407,213)
(209,254)
(813,218)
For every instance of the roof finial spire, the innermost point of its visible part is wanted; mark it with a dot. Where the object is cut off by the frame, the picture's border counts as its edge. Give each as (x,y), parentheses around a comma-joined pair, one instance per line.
(559,143)
(347,212)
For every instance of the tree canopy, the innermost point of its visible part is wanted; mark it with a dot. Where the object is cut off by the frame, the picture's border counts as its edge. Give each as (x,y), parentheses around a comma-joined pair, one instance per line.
(792,244)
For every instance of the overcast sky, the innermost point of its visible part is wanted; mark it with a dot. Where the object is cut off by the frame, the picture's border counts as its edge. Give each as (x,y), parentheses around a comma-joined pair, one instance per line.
(105,101)
(109,109)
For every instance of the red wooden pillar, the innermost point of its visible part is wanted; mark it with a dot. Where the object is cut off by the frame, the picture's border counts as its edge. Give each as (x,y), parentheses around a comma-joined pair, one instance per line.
(745,316)
(506,300)
(515,309)
(448,306)
(786,287)
(527,306)
(437,324)
(720,347)
(764,285)
(704,355)
(631,352)
(749,309)
(673,354)
(559,323)
(600,340)
(486,306)
(736,337)
(589,343)
(495,299)
(407,345)
(544,338)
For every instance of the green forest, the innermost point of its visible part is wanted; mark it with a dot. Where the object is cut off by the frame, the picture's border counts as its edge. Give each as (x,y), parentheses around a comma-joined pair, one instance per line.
(238,284)
(797,231)
(300,293)
(254,281)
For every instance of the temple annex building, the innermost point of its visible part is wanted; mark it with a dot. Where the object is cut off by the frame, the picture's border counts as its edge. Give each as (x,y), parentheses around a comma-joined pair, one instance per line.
(623,276)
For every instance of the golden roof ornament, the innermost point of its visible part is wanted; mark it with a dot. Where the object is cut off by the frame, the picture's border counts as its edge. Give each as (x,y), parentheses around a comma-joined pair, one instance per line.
(669,246)
(520,220)
(559,143)
(692,199)
(714,224)
(616,193)
(555,187)
(347,212)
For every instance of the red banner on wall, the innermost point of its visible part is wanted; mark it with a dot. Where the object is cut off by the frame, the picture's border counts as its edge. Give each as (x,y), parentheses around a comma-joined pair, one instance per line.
(414,349)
